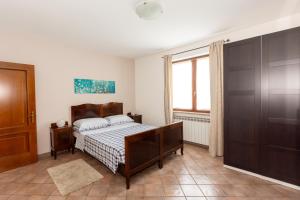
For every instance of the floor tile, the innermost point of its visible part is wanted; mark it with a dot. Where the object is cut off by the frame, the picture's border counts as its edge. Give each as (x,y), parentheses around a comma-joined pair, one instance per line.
(106,180)
(136,190)
(191,190)
(152,180)
(239,179)
(95,198)
(76,198)
(237,190)
(169,180)
(82,192)
(118,191)
(38,197)
(137,180)
(10,188)
(174,198)
(8,177)
(115,198)
(4,197)
(25,178)
(196,175)
(233,198)
(265,191)
(202,179)
(41,178)
(56,198)
(196,171)
(287,192)
(212,190)
(18,197)
(153,190)
(195,198)
(98,190)
(173,190)
(185,179)
(37,189)
(152,198)
(217,179)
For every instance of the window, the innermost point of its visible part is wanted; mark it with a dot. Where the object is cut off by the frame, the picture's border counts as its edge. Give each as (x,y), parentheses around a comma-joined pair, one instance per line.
(191,84)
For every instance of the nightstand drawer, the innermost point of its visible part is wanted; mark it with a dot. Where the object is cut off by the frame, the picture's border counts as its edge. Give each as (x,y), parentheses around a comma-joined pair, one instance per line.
(62,140)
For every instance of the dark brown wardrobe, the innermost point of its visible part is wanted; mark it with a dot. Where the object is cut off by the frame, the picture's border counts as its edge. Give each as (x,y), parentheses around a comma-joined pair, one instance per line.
(262,105)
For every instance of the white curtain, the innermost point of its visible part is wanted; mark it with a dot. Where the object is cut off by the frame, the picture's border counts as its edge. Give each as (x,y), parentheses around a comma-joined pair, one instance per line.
(216,137)
(168,89)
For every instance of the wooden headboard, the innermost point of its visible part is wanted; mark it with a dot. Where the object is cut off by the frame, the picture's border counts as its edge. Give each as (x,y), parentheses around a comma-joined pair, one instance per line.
(95,110)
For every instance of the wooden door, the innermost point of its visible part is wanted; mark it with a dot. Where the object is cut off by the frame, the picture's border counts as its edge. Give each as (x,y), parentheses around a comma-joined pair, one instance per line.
(242,65)
(17,116)
(280,134)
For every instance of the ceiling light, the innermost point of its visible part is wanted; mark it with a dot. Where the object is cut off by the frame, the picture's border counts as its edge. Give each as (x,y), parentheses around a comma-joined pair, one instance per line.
(148,9)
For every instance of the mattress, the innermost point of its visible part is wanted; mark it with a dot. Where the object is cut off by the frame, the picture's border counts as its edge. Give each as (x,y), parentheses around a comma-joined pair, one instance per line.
(108,144)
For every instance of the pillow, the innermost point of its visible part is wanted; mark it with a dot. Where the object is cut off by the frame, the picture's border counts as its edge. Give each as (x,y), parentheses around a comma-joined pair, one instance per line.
(118,119)
(90,124)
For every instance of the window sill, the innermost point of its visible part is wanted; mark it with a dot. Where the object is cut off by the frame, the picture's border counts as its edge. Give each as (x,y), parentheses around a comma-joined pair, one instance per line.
(191,112)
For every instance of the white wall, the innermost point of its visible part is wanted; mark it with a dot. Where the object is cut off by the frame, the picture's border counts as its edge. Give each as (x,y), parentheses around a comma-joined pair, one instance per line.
(149,81)
(55,68)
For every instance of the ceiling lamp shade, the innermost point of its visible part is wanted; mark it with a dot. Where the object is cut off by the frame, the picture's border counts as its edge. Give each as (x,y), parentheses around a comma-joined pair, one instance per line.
(148,9)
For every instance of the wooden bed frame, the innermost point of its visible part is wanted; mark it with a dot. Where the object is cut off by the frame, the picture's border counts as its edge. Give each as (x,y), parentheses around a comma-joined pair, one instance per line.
(142,149)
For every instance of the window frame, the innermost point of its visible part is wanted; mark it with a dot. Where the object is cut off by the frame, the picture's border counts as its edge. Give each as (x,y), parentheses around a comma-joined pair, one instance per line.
(194,84)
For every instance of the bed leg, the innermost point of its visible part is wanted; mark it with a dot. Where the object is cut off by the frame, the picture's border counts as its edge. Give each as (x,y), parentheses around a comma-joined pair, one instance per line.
(127,182)
(160,164)
(181,150)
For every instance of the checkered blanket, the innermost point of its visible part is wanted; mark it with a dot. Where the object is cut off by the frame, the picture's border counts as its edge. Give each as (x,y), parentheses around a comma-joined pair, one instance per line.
(109,147)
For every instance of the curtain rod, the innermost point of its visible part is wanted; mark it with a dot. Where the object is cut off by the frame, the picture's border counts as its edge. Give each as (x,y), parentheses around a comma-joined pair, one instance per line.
(174,54)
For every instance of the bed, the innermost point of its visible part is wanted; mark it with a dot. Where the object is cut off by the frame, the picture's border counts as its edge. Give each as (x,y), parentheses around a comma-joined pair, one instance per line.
(125,148)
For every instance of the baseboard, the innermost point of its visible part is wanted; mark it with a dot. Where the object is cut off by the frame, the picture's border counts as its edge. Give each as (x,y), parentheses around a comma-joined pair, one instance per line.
(196,144)
(264,177)
(44,156)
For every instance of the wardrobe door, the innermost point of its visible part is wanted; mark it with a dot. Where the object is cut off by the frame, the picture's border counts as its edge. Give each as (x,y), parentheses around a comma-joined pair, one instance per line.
(280,136)
(242,68)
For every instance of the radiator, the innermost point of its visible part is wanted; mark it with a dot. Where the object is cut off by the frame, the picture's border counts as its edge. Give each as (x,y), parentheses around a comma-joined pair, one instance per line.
(195,127)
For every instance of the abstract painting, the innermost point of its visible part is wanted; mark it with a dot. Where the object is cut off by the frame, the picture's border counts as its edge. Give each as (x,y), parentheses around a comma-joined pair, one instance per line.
(88,86)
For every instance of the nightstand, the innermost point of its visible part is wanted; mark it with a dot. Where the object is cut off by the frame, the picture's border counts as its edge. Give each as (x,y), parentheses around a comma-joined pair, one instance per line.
(136,118)
(61,139)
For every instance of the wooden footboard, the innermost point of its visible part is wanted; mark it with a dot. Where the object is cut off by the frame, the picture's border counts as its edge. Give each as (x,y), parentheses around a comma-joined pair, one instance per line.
(144,149)
(172,138)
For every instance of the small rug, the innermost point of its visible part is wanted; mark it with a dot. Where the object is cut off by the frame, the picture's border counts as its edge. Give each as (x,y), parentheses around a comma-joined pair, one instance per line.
(73,175)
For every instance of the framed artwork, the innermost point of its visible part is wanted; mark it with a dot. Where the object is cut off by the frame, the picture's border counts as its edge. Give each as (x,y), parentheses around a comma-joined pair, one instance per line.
(88,86)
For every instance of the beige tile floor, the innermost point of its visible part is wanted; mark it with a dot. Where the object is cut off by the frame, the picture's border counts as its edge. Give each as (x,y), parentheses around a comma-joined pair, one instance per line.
(194,176)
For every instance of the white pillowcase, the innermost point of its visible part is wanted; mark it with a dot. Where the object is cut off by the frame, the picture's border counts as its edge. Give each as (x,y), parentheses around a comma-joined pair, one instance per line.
(118,119)
(90,124)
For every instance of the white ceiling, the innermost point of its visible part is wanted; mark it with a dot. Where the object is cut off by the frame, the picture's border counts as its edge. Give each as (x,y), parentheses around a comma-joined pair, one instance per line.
(112,27)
